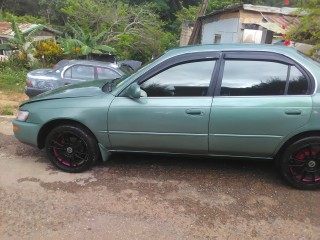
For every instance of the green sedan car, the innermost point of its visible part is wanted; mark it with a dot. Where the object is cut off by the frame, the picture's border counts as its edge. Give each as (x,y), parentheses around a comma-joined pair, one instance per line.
(252,101)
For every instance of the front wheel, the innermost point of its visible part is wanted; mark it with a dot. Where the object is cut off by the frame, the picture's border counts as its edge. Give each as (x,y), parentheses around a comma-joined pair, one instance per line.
(299,165)
(71,148)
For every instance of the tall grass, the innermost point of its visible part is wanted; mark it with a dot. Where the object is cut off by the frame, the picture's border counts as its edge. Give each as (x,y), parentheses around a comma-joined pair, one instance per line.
(13,74)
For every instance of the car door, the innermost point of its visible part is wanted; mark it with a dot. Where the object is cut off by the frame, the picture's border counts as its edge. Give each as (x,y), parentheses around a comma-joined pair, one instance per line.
(260,98)
(173,113)
(78,73)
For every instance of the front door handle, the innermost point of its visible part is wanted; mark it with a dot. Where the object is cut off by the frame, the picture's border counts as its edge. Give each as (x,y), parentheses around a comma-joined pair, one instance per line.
(194,112)
(293,112)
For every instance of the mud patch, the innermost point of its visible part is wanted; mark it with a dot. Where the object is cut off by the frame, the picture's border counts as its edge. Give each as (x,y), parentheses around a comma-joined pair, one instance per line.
(28,179)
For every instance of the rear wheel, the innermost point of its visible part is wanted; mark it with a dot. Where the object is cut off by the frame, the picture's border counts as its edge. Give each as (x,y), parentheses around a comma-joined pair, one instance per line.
(299,164)
(71,148)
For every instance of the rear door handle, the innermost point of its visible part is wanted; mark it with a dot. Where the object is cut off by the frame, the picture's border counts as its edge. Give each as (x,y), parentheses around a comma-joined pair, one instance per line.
(194,112)
(293,112)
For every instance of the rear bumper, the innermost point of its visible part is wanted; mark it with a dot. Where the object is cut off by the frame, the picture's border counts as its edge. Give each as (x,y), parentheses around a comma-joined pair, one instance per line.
(31,92)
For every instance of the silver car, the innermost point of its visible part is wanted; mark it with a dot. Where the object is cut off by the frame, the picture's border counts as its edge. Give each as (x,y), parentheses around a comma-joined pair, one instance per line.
(69,72)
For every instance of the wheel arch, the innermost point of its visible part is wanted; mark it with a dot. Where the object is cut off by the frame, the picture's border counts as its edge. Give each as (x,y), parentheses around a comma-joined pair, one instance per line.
(46,128)
(294,139)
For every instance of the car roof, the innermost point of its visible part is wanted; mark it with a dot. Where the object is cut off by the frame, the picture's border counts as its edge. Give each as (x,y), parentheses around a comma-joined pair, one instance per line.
(232,47)
(284,50)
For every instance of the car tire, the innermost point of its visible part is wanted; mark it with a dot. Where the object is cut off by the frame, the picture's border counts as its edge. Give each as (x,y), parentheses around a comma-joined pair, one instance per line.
(299,164)
(72,148)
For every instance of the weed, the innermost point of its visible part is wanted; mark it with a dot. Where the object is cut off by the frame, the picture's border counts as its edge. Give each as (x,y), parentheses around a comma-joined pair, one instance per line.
(7,110)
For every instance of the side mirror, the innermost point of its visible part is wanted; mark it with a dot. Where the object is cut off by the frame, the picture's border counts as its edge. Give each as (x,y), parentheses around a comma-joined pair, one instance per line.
(133,91)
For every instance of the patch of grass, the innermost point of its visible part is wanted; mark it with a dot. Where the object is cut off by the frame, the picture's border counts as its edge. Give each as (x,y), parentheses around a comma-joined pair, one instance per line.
(7,110)
(13,74)
(12,80)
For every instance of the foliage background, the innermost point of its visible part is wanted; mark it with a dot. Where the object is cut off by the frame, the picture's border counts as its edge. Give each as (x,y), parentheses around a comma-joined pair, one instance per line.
(136,29)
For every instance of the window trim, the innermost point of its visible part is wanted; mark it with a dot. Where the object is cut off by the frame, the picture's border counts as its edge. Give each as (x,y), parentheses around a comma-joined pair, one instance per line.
(267,57)
(177,60)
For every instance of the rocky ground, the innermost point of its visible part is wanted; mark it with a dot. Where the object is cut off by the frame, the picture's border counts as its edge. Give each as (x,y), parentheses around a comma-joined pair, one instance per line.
(149,197)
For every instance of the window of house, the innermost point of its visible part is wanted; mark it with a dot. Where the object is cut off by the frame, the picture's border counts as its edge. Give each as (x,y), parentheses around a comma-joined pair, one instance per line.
(80,72)
(217,38)
(187,79)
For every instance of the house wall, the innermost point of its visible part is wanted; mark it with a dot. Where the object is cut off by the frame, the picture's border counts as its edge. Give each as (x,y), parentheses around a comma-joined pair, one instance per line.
(250,17)
(227,28)
(225,25)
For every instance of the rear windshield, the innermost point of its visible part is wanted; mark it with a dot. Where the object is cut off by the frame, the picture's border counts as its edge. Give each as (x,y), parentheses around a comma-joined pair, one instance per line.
(310,59)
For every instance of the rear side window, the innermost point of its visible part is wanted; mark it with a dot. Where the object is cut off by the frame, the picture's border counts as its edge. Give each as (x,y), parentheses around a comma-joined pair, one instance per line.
(298,83)
(80,72)
(106,73)
(261,78)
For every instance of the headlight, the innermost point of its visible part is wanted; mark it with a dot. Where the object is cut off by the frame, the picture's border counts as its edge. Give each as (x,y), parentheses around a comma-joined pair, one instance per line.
(22,115)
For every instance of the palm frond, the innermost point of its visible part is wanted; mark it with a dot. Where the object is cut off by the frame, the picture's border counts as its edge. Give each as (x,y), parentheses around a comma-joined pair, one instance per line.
(7,46)
(105,48)
(100,36)
(17,32)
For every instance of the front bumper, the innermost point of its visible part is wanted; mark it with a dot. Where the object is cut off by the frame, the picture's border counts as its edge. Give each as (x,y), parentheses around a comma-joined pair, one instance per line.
(26,132)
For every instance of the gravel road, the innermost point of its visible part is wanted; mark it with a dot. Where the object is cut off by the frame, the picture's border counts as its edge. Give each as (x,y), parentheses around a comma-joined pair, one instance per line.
(149,197)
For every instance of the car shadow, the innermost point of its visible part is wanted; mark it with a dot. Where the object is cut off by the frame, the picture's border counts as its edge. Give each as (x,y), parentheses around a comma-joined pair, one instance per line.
(175,167)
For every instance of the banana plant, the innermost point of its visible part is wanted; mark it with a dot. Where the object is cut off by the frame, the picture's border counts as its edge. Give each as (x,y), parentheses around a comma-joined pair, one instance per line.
(23,44)
(82,44)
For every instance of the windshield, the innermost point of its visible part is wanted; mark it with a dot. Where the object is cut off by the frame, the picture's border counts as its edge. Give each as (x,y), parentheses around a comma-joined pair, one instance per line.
(310,59)
(119,81)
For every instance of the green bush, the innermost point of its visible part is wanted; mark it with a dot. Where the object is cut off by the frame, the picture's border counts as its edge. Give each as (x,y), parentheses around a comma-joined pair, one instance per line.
(13,74)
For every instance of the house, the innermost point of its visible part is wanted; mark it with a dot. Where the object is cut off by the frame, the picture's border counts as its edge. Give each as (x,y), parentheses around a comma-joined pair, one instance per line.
(243,23)
(43,33)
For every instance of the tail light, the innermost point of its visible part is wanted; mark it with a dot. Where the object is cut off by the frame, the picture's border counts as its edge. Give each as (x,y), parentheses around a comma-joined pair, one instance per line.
(28,83)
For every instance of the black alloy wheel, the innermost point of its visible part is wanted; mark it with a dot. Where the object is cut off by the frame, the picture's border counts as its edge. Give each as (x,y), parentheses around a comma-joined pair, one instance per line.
(72,148)
(300,163)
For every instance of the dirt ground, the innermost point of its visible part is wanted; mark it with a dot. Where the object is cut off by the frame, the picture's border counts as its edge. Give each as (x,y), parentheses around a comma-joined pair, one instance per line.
(149,197)
(11,100)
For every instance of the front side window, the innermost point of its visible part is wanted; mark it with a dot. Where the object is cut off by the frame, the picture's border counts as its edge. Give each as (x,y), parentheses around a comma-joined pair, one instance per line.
(186,79)
(261,78)
(80,72)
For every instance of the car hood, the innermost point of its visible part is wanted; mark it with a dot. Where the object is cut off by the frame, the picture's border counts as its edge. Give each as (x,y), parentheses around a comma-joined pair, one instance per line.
(86,89)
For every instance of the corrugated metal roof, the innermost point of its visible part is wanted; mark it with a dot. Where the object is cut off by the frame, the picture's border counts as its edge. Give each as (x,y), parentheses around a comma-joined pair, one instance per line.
(5,28)
(268,9)
(279,23)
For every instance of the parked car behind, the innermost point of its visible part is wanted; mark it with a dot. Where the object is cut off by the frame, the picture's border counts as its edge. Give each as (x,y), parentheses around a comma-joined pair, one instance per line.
(68,72)
(252,101)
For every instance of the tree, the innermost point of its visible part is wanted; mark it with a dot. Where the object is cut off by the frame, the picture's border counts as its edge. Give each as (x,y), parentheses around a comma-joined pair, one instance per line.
(130,29)
(308,31)
(82,44)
